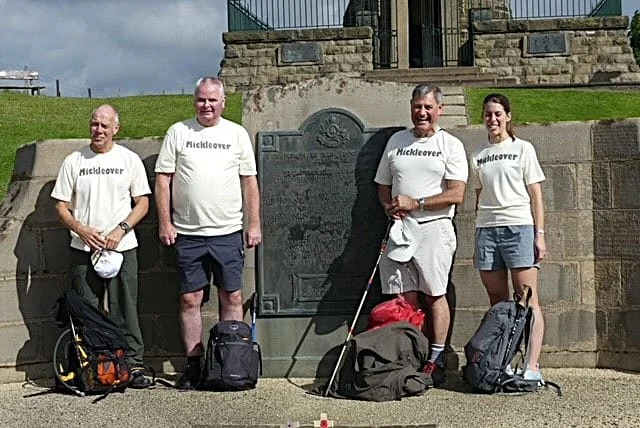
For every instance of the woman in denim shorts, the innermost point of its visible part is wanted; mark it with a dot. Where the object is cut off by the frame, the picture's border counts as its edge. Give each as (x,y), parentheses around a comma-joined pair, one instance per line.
(510,218)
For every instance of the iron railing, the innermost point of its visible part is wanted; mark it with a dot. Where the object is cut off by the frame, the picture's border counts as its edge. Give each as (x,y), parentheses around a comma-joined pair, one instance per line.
(293,14)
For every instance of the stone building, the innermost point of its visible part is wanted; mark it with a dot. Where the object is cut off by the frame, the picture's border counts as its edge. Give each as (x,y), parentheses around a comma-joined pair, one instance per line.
(449,41)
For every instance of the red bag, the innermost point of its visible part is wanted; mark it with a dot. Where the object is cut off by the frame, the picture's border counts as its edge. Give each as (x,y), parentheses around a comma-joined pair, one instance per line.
(395,310)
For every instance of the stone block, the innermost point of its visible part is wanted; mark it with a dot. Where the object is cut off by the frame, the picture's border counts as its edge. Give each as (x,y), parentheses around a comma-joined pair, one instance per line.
(249,258)
(610,330)
(248,282)
(465,325)
(19,344)
(562,142)
(588,283)
(602,188)
(560,189)
(624,133)
(49,334)
(11,305)
(42,159)
(625,177)
(465,234)
(616,233)
(149,248)
(468,288)
(630,322)
(147,148)
(168,258)
(158,292)
(211,307)
(569,235)
(167,338)
(619,360)
(56,250)
(608,278)
(20,252)
(149,333)
(551,358)
(573,329)
(473,137)
(468,205)
(29,201)
(29,298)
(584,178)
(280,108)
(630,283)
(559,283)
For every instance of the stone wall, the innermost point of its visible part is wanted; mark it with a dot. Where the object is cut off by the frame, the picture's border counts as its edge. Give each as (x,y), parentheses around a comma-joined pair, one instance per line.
(556,51)
(255,58)
(589,284)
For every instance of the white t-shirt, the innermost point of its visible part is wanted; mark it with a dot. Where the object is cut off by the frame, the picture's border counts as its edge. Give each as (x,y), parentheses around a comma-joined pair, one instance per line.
(206,163)
(504,170)
(418,167)
(99,188)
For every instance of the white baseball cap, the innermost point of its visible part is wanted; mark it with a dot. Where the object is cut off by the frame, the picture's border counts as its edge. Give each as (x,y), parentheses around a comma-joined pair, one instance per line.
(106,263)
(404,237)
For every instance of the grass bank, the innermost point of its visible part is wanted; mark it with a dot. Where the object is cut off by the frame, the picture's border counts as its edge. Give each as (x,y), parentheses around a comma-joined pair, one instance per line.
(559,105)
(25,118)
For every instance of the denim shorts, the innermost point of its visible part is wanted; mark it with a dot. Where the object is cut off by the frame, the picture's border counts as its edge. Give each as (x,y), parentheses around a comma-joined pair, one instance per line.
(505,247)
(203,258)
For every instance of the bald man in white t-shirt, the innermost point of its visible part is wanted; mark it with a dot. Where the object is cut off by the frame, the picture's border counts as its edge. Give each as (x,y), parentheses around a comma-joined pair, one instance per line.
(205,173)
(94,191)
(421,177)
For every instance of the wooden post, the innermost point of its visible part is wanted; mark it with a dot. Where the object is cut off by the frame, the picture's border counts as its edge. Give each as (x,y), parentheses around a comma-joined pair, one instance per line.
(89,91)
(58,88)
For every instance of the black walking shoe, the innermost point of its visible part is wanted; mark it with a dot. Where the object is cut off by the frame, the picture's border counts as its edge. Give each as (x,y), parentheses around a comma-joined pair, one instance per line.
(436,371)
(190,376)
(139,380)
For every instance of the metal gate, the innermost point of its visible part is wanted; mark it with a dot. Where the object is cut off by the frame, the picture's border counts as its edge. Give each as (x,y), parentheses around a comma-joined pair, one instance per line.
(438,36)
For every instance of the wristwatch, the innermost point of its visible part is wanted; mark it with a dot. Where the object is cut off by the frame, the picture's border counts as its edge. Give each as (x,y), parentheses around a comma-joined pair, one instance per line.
(421,204)
(125,226)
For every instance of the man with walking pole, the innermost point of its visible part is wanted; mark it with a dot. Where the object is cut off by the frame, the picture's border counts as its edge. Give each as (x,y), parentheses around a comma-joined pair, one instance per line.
(421,177)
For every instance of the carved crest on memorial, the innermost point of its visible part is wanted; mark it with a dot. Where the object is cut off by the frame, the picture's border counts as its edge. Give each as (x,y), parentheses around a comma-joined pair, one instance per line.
(331,134)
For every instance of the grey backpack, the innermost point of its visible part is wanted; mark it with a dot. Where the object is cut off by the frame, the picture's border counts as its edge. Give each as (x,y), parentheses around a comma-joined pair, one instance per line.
(494,345)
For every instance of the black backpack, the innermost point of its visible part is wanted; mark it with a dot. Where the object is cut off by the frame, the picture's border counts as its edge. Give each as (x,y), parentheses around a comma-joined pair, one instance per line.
(92,351)
(494,346)
(233,360)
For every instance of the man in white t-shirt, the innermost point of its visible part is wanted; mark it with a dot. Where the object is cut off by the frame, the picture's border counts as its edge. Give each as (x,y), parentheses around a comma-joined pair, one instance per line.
(421,177)
(94,190)
(205,171)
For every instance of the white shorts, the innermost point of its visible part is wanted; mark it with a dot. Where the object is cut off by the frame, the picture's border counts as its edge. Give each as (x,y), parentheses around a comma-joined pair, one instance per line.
(428,270)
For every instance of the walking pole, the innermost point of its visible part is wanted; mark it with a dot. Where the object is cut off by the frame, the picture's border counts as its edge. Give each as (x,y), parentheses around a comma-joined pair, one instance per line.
(383,246)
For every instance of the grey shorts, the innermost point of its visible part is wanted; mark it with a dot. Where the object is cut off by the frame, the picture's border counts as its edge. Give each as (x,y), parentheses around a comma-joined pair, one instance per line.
(203,258)
(505,247)
(428,270)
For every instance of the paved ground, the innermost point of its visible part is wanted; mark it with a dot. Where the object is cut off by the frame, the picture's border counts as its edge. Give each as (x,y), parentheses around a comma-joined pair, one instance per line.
(592,398)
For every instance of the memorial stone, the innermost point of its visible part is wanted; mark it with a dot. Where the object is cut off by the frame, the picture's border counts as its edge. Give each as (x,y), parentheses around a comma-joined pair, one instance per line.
(322,222)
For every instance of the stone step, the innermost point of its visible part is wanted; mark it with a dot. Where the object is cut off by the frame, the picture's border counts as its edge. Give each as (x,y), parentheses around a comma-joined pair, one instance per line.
(465,76)
(429,70)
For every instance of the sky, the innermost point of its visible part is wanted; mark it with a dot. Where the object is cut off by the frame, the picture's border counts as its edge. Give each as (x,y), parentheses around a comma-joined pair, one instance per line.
(120,47)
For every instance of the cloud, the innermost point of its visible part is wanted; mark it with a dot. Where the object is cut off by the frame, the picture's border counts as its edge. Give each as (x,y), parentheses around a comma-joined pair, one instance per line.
(120,46)
(115,47)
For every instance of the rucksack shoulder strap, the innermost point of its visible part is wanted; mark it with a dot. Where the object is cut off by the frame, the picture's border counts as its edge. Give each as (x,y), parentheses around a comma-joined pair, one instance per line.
(553,385)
